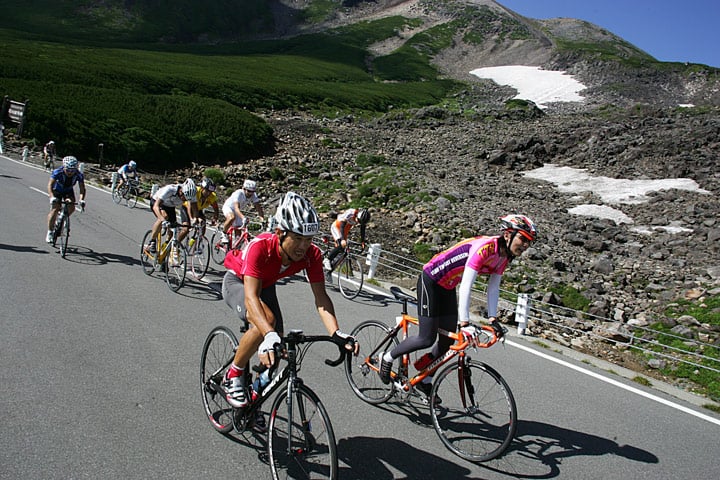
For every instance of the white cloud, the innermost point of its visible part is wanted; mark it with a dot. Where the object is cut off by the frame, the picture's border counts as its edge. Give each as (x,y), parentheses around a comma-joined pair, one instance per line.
(533,83)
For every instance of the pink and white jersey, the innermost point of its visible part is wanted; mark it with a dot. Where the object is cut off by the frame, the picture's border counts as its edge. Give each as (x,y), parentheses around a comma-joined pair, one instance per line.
(482,254)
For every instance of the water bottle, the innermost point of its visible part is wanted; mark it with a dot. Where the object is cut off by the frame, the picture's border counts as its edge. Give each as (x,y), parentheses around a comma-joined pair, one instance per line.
(260,382)
(191,242)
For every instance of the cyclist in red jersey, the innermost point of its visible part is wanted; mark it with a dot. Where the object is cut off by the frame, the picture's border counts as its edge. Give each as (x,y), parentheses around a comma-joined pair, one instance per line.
(438,305)
(249,287)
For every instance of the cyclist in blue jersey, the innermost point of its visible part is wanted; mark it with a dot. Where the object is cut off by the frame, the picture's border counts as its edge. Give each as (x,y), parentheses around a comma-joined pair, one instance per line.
(61,187)
(126,171)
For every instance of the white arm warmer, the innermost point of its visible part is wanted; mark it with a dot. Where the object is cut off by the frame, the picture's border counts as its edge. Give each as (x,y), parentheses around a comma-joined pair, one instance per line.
(493,294)
(466,284)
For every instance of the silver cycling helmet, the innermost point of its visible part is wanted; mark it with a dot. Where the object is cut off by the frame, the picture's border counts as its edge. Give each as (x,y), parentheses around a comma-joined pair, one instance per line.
(250,185)
(207,184)
(296,214)
(189,190)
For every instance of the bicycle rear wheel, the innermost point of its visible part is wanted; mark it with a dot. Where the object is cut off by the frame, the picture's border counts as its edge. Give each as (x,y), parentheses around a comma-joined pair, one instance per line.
(147,262)
(176,266)
(362,370)
(64,235)
(301,442)
(200,257)
(350,277)
(477,416)
(217,354)
(217,252)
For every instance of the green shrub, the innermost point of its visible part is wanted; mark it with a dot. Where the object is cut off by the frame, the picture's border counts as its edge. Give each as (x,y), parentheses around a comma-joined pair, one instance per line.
(216,175)
(422,251)
(572,298)
(276,173)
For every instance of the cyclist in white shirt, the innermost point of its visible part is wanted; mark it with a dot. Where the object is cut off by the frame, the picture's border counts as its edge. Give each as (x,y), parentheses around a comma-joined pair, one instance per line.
(163,204)
(232,208)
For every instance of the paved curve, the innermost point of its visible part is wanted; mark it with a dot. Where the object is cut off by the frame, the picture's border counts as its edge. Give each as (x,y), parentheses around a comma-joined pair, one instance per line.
(99,372)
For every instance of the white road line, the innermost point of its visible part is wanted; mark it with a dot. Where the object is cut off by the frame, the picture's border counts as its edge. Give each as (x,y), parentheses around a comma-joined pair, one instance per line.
(615,383)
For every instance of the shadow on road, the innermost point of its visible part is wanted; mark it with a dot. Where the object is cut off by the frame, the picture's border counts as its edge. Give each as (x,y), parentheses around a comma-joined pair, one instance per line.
(538,450)
(86,256)
(22,248)
(371,457)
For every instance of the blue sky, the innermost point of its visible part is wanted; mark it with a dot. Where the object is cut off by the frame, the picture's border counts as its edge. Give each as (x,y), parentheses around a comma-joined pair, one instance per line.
(669,30)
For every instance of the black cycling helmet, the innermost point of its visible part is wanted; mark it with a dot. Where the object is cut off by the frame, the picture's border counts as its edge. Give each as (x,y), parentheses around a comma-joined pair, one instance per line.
(207,184)
(363,216)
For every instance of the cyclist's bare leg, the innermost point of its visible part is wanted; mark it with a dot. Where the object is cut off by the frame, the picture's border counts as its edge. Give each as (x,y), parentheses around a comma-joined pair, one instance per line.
(51,216)
(183,232)
(229,220)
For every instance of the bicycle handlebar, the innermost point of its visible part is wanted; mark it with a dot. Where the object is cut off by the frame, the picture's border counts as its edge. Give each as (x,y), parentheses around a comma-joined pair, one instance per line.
(296,337)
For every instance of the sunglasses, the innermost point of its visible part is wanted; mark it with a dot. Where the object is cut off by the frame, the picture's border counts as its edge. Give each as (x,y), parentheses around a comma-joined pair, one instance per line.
(525,237)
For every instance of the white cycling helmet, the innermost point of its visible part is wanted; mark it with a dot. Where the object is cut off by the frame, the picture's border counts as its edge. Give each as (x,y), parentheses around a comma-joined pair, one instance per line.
(70,162)
(296,214)
(132,164)
(190,190)
(250,185)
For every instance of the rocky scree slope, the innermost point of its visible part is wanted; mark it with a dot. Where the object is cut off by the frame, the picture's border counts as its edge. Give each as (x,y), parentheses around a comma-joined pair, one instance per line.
(440,176)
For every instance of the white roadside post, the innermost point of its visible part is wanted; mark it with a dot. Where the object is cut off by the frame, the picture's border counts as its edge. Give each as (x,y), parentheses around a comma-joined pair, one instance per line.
(373,256)
(521,313)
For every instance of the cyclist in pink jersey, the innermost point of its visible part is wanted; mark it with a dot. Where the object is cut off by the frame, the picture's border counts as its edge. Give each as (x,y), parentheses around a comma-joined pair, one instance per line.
(438,305)
(249,287)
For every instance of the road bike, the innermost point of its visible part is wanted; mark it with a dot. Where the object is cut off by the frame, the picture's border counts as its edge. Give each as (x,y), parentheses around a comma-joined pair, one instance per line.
(300,438)
(129,192)
(49,162)
(61,230)
(346,265)
(170,257)
(472,408)
(197,249)
(238,237)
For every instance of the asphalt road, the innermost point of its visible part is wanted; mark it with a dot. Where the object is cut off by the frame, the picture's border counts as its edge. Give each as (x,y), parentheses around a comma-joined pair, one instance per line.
(99,372)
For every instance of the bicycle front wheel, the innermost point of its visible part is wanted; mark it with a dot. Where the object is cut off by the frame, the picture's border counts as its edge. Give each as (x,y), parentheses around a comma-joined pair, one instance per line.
(362,370)
(147,262)
(64,235)
(200,257)
(217,355)
(476,417)
(350,277)
(176,266)
(116,195)
(217,251)
(132,198)
(301,442)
